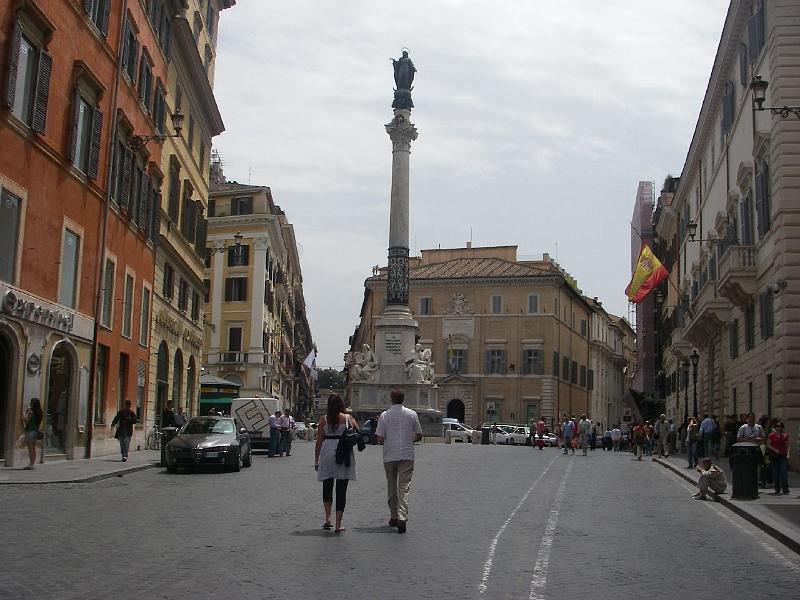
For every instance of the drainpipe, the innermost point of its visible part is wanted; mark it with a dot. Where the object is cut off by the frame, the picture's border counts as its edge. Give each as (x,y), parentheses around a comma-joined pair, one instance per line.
(98,302)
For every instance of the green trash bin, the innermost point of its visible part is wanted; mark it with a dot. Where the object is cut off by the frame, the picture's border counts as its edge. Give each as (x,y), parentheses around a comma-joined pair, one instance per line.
(745,460)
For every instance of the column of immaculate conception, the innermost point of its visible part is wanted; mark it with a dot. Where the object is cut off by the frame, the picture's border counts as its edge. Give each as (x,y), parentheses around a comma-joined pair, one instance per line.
(396,360)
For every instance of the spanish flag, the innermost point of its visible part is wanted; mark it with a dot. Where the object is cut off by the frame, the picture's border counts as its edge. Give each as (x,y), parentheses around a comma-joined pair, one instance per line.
(648,274)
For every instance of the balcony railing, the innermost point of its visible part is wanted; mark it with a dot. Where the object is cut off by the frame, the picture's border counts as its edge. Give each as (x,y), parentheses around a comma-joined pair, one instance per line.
(233,357)
(738,270)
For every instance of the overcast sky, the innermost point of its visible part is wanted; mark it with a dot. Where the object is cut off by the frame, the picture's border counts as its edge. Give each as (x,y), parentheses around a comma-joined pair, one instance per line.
(536,122)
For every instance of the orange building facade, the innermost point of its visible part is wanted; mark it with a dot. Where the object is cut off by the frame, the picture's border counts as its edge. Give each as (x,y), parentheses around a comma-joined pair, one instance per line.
(83,84)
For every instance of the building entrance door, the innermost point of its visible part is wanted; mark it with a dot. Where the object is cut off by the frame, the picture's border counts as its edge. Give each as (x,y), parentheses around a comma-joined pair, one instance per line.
(162,381)
(58,401)
(5,391)
(532,413)
(455,410)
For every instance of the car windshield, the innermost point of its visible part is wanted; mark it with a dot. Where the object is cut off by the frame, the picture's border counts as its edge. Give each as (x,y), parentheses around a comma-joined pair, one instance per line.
(205,425)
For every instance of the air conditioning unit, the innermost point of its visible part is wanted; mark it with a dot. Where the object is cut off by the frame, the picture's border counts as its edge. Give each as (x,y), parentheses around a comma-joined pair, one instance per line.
(491,407)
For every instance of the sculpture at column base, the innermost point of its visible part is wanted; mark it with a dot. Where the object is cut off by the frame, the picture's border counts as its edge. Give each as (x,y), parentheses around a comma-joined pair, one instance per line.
(419,368)
(363,365)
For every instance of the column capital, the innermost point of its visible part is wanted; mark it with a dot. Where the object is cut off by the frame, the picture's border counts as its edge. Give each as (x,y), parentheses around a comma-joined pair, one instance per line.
(401,130)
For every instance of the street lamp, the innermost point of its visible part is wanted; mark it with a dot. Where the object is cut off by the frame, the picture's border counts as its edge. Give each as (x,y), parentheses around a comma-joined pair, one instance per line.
(138,142)
(759,88)
(237,246)
(686,392)
(695,357)
(691,230)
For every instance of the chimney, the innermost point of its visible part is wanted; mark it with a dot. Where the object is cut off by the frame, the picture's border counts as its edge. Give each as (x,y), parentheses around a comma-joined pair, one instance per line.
(469,244)
(546,257)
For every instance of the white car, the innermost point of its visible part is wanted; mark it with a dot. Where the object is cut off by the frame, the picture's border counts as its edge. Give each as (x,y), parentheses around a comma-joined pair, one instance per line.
(517,435)
(459,432)
(550,439)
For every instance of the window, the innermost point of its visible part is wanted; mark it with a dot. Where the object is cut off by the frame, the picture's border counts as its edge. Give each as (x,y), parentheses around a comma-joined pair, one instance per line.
(159,109)
(98,11)
(146,81)
(728,109)
(130,50)
(10,210)
(532,362)
(101,373)
(87,127)
(763,204)
(426,305)
(154,206)
(121,174)
(201,159)
(766,313)
(160,19)
(187,211)
(127,307)
(555,364)
(169,279)
(144,317)
(584,328)
(457,360)
(583,376)
(733,337)
(492,411)
(497,305)
(239,257)
(235,339)
(206,290)
(195,306)
(590,384)
(198,27)
(242,206)
(236,289)
(209,56)
(108,294)
(746,210)
(212,207)
(565,368)
(756,31)
(122,388)
(573,378)
(28,83)
(183,295)
(749,326)
(70,256)
(533,304)
(496,362)
(211,16)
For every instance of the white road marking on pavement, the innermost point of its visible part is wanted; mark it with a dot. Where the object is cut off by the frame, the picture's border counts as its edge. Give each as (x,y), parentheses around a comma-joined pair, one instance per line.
(539,579)
(751,530)
(487,567)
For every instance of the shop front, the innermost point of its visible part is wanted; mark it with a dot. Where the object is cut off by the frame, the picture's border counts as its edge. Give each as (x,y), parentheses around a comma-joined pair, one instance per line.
(45,353)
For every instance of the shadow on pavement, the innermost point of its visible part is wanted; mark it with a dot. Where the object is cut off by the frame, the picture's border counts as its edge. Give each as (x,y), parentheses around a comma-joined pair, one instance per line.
(314,533)
(378,529)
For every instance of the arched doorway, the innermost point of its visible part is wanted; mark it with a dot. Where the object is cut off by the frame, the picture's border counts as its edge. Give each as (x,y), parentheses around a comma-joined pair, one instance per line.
(5,390)
(177,379)
(162,381)
(59,391)
(456,410)
(190,375)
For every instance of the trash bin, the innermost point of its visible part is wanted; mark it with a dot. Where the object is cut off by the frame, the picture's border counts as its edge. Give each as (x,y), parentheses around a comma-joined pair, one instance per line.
(167,433)
(485,435)
(745,459)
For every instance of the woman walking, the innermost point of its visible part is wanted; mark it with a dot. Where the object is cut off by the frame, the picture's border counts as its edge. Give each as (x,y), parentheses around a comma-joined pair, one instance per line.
(778,447)
(692,438)
(330,429)
(31,424)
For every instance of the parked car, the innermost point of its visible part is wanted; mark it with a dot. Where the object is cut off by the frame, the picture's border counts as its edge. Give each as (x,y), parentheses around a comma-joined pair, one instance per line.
(518,435)
(300,430)
(210,440)
(550,439)
(459,432)
(368,434)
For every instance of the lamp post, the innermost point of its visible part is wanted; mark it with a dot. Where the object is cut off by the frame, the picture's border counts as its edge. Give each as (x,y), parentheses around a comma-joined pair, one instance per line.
(695,359)
(686,392)
(759,88)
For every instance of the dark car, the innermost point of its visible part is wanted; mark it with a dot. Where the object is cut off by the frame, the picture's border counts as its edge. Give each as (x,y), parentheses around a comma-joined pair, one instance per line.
(368,433)
(210,440)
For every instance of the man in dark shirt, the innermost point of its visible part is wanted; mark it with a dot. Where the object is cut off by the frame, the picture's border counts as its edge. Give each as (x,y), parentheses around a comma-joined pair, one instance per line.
(124,421)
(168,416)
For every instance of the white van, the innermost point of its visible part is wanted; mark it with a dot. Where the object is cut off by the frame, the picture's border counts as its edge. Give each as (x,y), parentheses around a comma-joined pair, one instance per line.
(458,431)
(253,413)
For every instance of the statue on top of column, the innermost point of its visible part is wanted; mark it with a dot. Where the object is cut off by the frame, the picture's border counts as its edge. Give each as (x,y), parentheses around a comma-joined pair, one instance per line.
(404,78)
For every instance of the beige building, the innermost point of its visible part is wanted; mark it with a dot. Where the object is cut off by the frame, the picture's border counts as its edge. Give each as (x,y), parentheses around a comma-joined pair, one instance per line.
(176,340)
(510,339)
(609,364)
(729,233)
(257,331)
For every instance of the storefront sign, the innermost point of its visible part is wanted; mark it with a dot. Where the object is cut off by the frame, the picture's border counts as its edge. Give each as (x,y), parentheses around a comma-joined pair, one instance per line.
(193,341)
(173,326)
(21,307)
(166,322)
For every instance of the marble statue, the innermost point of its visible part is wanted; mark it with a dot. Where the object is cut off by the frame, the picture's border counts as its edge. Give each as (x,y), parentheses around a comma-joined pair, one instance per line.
(419,368)
(364,365)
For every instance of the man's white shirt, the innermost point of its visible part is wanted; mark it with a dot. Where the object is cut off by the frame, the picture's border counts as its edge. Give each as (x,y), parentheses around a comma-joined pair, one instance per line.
(398,427)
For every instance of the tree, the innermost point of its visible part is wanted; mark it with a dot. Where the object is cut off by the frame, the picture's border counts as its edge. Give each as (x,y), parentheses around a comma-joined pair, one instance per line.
(331,378)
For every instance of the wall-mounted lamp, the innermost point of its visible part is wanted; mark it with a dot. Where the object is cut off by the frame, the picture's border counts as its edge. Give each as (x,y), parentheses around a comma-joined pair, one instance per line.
(237,246)
(691,230)
(138,142)
(759,88)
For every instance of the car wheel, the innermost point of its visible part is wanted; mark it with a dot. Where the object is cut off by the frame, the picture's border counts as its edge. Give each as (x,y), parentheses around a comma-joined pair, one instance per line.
(236,466)
(172,469)
(469,440)
(247,461)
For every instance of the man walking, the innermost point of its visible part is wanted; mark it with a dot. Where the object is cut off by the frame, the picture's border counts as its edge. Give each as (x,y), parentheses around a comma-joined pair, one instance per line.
(616,438)
(274,434)
(662,433)
(584,431)
(398,429)
(124,420)
(707,428)
(286,425)
(567,430)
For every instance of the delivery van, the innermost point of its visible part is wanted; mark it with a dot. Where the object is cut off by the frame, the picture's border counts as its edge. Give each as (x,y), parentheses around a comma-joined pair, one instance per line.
(253,414)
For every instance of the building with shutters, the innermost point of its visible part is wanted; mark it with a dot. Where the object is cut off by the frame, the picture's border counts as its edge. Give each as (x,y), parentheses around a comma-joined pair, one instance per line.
(727,230)
(176,340)
(76,217)
(510,339)
(257,332)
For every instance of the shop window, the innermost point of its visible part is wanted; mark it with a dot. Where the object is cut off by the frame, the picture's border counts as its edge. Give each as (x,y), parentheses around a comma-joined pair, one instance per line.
(70,262)
(10,211)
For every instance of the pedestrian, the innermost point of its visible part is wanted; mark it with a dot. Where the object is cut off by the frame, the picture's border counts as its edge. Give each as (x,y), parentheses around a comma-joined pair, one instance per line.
(168,416)
(493,433)
(707,427)
(751,431)
(180,418)
(398,429)
(692,438)
(639,439)
(540,430)
(616,438)
(124,421)
(608,440)
(661,436)
(567,430)
(711,477)
(730,429)
(287,425)
(650,437)
(672,438)
(778,452)
(330,429)
(584,433)
(716,437)
(275,434)
(30,425)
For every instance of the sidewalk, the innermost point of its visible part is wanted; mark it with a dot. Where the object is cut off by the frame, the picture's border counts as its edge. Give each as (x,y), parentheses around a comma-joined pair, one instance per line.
(779,516)
(80,470)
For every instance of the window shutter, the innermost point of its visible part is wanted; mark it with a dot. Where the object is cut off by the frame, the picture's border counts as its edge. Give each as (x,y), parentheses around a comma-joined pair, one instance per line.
(759,205)
(125,191)
(73,142)
(752,39)
(87,6)
(174,185)
(42,93)
(761,29)
(202,231)
(743,64)
(228,289)
(134,58)
(155,218)
(765,200)
(143,199)
(125,44)
(11,82)
(94,150)
(487,367)
(105,18)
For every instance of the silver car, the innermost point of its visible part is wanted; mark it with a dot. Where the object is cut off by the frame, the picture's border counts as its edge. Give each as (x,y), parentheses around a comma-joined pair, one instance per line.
(210,441)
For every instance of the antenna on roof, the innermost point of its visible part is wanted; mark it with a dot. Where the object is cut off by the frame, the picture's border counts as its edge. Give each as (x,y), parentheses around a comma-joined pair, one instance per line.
(249,175)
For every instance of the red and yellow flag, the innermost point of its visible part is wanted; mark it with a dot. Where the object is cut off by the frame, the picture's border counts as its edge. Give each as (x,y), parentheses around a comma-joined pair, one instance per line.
(648,274)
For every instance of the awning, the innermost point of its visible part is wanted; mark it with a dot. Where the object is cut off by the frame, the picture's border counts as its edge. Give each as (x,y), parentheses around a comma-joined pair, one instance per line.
(219,400)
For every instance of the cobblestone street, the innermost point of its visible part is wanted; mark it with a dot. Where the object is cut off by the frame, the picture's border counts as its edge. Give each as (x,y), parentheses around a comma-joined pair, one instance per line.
(485,522)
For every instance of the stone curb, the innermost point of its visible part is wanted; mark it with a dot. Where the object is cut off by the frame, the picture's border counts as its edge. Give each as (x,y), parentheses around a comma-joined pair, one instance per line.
(88,478)
(732,506)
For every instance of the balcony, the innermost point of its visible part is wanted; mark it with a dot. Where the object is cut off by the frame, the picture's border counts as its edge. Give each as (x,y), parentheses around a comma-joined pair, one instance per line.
(679,346)
(710,312)
(737,274)
(232,357)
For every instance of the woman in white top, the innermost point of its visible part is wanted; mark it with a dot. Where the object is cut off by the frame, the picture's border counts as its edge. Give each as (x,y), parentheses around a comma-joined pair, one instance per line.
(329,430)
